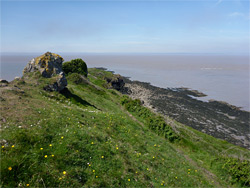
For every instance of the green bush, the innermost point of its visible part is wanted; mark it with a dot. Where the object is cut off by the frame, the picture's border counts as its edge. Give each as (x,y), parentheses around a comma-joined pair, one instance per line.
(238,169)
(153,121)
(75,66)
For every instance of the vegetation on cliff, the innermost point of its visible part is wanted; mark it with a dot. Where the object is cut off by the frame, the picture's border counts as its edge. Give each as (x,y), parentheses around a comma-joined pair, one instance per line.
(88,135)
(75,66)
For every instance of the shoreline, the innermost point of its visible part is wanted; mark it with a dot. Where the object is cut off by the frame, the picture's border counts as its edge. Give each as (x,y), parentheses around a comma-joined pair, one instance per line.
(221,78)
(216,118)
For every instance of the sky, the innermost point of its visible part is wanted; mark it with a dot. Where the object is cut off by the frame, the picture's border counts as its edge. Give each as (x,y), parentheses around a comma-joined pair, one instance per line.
(142,26)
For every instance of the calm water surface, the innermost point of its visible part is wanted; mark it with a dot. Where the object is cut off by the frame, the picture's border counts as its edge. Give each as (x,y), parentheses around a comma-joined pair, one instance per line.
(221,77)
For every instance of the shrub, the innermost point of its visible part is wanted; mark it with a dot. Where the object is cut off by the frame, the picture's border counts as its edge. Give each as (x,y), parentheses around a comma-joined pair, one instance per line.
(75,66)
(238,169)
(155,122)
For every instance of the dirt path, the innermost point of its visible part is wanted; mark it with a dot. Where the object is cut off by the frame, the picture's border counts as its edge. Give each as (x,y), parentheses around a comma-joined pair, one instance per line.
(212,178)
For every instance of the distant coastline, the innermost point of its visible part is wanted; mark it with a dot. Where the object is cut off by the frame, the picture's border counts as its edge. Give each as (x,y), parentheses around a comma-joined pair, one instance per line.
(220,77)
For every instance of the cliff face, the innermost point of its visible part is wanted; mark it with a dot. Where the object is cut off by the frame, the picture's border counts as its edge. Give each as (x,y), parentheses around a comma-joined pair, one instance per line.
(49,65)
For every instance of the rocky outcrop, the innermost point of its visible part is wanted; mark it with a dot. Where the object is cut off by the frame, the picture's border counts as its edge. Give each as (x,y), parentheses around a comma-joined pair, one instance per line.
(3,83)
(116,82)
(49,65)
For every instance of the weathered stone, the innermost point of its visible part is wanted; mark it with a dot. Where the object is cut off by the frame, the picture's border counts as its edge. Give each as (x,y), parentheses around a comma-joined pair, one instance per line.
(49,65)
(3,85)
(4,81)
(61,81)
(116,82)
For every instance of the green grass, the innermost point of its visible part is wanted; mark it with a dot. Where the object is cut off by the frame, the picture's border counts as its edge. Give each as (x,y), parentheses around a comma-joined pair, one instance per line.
(89,140)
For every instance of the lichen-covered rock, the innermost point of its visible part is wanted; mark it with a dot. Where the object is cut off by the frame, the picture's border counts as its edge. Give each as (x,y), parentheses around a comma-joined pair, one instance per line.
(49,65)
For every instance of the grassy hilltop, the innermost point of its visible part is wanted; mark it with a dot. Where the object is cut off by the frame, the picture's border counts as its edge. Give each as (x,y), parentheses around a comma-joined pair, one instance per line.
(91,136)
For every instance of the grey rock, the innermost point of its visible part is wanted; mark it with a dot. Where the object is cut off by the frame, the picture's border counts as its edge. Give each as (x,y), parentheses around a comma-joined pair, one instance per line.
(4,81)
(49,65)
(116,82)
(3,85)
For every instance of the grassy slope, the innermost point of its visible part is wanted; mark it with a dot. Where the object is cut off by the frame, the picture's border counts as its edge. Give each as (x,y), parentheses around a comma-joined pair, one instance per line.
(87,138)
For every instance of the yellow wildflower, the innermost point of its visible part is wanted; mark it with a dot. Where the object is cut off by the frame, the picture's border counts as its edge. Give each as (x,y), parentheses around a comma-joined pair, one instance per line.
(62,137)
(96,176)
(147,168)
(60,178)
(89,164)
(64,172)
(41,148)
(13,146)
(153,157)
(176,177)
(94,171)
(28,185)
(195,170)
(188,169)
(128,179)
(2,146)
(188,172)
(50,145)
(102,157)
(117,148)
(52,155)
(92,142)
(10,168)
(45,156)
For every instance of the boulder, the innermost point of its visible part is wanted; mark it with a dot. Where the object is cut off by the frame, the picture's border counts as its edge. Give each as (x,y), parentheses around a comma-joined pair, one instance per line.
(49,65)
(116,82)
(4,81)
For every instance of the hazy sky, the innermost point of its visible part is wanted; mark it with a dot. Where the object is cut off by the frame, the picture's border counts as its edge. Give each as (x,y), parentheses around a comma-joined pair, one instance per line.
(199,26)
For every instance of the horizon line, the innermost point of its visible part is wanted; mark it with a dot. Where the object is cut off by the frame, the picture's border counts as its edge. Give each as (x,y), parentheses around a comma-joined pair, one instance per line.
(225,53)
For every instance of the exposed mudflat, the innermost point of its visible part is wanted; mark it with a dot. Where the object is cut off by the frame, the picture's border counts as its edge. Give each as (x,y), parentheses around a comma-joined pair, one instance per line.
(215,118)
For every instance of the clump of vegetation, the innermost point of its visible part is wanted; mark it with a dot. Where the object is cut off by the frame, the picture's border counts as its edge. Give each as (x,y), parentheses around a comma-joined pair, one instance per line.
(75,66)
(239,170)
(153,121)
(76,78)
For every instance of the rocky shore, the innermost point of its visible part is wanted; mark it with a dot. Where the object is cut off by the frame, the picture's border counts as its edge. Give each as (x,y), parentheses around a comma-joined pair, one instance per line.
(215,118)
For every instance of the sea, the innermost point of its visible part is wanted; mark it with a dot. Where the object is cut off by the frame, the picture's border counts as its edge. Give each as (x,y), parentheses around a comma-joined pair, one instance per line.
(222,77)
